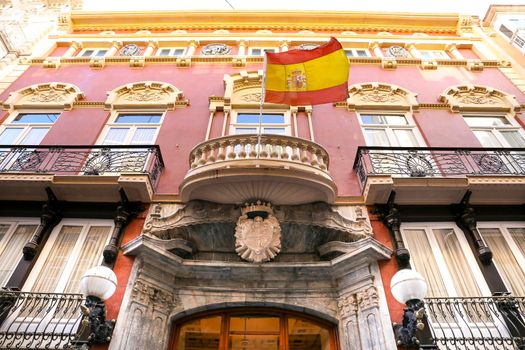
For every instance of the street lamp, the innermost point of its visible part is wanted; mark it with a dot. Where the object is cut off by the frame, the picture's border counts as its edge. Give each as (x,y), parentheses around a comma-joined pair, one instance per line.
(409,287)
(98,284)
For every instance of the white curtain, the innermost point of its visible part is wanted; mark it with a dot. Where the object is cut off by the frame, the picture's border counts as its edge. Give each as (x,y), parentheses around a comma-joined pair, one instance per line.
(424,262)
(57,259)
(518,234)
(505,261)
(90,255)
(456,263)
(12,252)
(144,136)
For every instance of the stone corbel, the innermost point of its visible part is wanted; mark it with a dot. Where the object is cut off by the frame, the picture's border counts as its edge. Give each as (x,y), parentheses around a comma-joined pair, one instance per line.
(388,63)
(239,61)
(51,216)
(137,61)
(97,62)
(183,62)
(467,218)
(475,65)
(52,62)
(430,65)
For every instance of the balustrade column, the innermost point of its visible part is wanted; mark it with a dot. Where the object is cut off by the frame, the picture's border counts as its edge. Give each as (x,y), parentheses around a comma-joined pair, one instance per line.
(308,111)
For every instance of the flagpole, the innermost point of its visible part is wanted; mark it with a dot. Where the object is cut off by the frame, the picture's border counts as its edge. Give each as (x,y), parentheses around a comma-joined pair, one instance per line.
(263,92)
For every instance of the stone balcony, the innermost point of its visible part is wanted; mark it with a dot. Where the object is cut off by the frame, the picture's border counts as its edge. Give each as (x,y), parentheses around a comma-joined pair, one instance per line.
(284,170)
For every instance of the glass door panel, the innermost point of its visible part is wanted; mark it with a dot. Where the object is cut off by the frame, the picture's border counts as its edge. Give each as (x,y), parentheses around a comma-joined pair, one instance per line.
(304,335)
(201,334)
(253,332)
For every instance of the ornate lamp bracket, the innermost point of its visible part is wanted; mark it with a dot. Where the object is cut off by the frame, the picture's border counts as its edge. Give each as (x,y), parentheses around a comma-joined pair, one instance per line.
(51,215)
(95,316)
(392,220)
(413,320)
(467,217)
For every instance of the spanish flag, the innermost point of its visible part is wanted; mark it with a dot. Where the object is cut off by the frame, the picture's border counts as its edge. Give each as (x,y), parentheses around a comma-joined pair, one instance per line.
(307,77)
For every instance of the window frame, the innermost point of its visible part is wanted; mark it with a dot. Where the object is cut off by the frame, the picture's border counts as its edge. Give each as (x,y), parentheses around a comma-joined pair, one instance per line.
(233,125)
(411,125)
(355,50)
(69,265)
(503,227)
(171,51)
(14,222)
(440,261)
(26,127)
(514,126)
(111,123)
(262,48)
(96,50)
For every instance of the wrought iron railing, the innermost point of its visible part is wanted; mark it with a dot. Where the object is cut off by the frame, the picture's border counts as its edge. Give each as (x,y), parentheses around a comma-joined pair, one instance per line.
(495,323)
(438,162)
(83,160)
(40,320)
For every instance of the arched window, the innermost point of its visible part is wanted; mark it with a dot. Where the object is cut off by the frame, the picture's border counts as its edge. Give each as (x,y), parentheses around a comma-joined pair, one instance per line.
(253,329)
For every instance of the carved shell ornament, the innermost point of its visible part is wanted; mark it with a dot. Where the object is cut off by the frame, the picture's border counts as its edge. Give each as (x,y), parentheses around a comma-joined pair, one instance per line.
(257,233)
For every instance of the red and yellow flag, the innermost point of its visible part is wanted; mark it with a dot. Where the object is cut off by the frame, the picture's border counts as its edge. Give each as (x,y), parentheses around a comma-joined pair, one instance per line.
(307,77)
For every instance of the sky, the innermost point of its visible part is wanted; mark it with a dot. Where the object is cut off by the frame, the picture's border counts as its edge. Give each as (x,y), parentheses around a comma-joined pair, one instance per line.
(470,7)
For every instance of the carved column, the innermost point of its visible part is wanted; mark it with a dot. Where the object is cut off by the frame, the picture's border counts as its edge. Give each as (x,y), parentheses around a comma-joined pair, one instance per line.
(393,222)
(122,217)
(191,48)
(348,326)
(51,215)
(75,45)
(376,48)
(413,51)
(283,45)
(467,217)
(452,48)
(114,48)
(242,48)
(308,111)
(152,44)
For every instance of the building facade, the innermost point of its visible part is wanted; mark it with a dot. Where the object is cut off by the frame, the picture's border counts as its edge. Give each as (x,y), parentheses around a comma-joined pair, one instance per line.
(132,142)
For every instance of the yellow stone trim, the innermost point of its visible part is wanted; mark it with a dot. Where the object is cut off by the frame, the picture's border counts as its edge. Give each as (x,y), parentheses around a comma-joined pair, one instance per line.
(53,95)
(270,20)
(380,96)
(468,98)
(145,94)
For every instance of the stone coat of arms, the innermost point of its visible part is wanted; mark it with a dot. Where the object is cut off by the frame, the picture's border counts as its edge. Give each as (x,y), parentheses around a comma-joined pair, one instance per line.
(258,239)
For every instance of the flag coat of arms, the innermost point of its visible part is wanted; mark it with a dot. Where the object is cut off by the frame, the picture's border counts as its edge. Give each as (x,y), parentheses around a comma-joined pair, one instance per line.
(307,77)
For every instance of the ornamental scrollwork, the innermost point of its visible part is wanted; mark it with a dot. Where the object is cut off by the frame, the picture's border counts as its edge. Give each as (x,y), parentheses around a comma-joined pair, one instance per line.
(147,294)
(255,97)
(380,96)
(478,99)
(216,50)
(347,305)
(397,51)
(48,96)
(145,95)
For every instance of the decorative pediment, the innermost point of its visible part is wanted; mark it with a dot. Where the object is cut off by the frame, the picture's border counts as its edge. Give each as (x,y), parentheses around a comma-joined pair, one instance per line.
(44,96)
(380,96)
(146,94)
(478,98)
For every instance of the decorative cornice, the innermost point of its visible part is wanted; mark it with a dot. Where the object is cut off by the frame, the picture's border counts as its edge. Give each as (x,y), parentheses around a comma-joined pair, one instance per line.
(268,20)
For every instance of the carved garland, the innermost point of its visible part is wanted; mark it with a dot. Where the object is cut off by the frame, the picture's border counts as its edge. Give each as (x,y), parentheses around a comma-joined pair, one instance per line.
(145,94)
(380,96)
(478,98)
(48,95)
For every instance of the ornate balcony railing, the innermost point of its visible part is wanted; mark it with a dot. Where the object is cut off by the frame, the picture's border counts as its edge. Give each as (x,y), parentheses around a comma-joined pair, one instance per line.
(438,162)
(273,147)
(83,160)
(495,323)
(40,320)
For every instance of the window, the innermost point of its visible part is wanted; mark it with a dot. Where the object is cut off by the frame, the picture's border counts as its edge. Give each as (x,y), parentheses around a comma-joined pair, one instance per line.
(253,329)
(132,129)
(14,234)
(271,123)
(357,53)
(434,54)
(496,131)
(93,53)
(259,51)
(174,51)
(27,128)
(394,130)
(73,247)
(507,242)
(441,253)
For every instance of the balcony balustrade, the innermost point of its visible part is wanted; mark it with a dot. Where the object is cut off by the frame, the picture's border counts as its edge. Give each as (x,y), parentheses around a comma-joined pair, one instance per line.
(41,320)
(495,323)
(282,169)
(68,166)
(419,173)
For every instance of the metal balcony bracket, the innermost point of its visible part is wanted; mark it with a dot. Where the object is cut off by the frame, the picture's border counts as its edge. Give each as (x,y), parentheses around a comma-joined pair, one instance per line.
(467,217)
(95,312)
(392,220)
(413,317)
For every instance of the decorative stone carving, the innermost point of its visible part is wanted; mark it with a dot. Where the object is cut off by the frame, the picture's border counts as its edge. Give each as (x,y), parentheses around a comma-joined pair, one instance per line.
(377,95)
(397,51)
(347,305)
(145,94)
(258,239)
(308,46)
(479,98)
(147,294)
(368,298)
(129,50)
(253,97)
(49,95)
(216,50)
